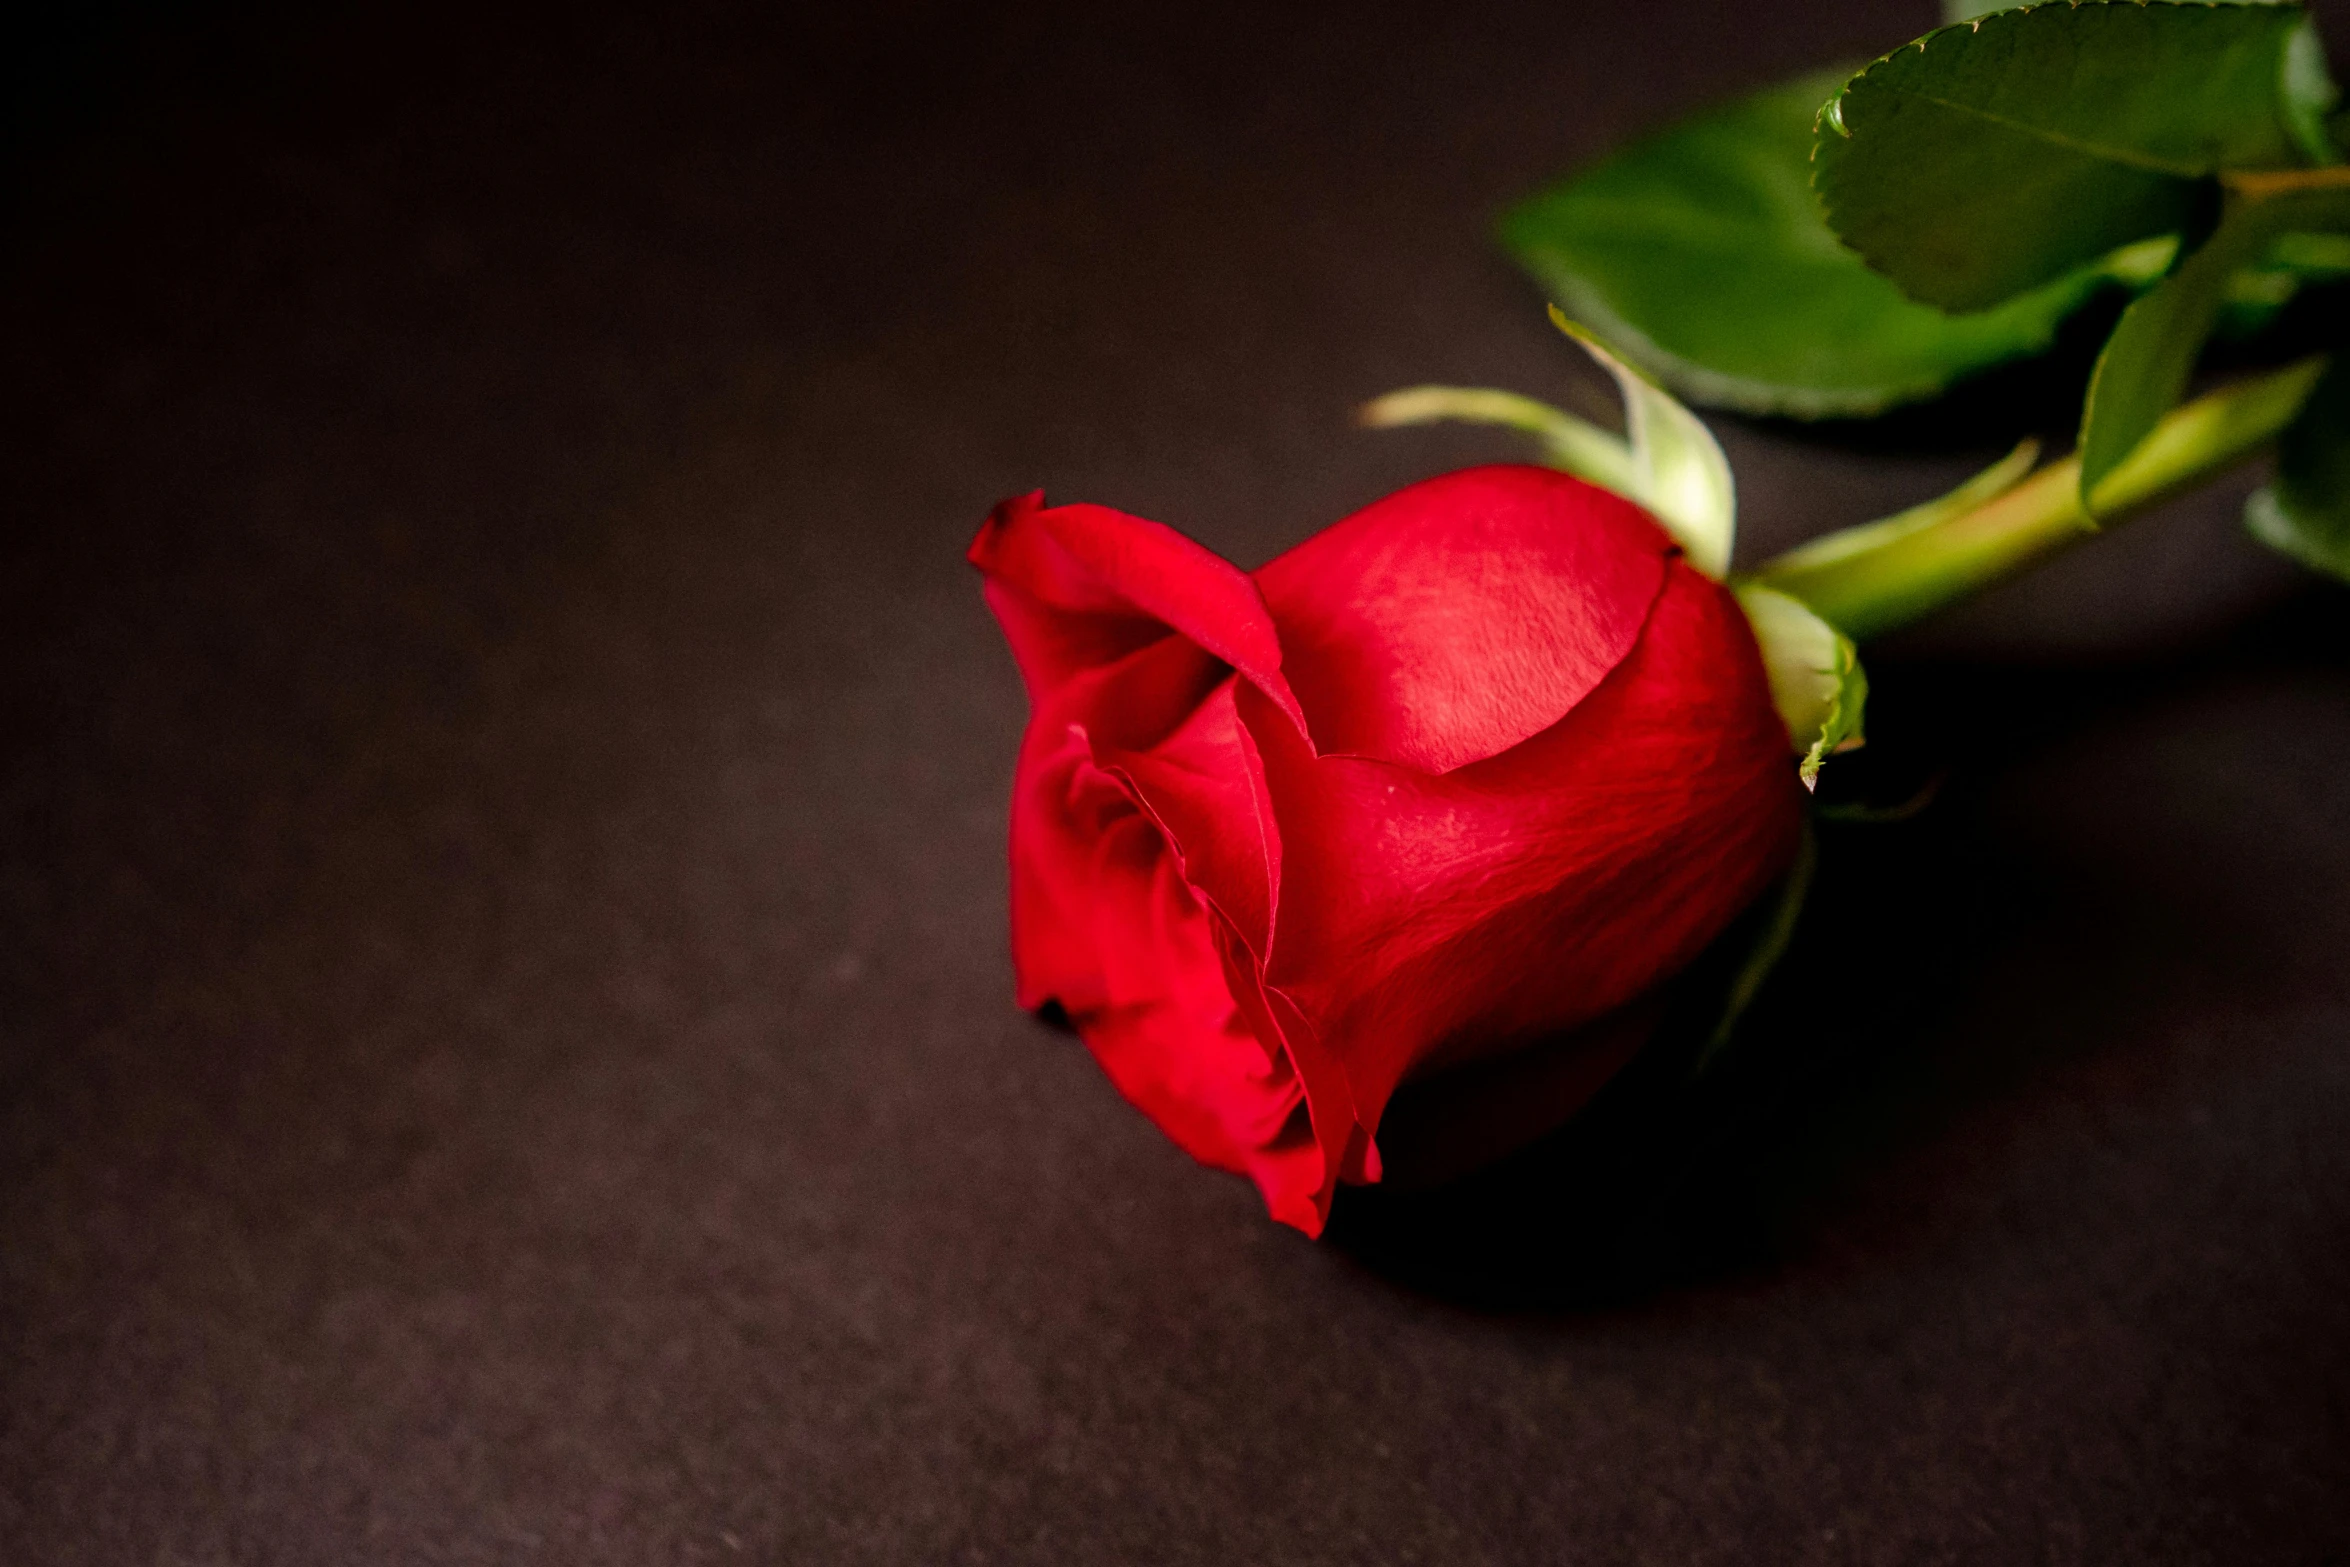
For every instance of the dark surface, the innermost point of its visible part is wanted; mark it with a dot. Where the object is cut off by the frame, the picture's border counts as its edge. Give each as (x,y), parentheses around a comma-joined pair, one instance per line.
(505,1041)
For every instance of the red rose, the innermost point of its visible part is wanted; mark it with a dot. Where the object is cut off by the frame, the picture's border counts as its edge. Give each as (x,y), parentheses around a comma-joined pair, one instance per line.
(1484,762)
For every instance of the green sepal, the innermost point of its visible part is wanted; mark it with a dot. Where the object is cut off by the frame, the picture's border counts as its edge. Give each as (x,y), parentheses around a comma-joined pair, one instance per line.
(1666,461)
(1575,445)
(1817,682)
(1700,254)
(1993,157)
(1860,814)
(1770,945)
(1678,470)
(2305,513)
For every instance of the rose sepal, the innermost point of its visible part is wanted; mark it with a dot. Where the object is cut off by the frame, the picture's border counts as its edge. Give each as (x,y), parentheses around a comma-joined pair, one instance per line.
(1816,679)
(1666,461)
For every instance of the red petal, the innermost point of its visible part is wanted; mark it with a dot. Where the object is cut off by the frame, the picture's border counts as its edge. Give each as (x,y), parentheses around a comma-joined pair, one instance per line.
(1062,803)
(1342,1145)
(1144,885)
(1205,787)
(1216,1097)
(1078,587)
(1461,616)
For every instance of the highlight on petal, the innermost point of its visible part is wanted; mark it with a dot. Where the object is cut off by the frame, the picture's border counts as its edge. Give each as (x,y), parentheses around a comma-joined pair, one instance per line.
(1463,615)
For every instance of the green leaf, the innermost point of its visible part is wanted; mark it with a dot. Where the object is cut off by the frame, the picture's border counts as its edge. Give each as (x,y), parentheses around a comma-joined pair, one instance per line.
(1700,255)
(2145,365)
(1666,460)
(1991,158)
(1968,10)
(2306,512)
(2310,96)
(1816,679)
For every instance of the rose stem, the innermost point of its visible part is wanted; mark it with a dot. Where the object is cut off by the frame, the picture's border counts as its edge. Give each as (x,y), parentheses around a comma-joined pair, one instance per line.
(1868,588)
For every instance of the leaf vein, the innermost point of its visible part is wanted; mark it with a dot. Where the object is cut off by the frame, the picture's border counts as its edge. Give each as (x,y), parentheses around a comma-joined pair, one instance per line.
(2127,157)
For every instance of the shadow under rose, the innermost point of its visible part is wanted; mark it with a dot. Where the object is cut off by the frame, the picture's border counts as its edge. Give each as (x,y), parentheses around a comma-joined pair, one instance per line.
(1672,1177)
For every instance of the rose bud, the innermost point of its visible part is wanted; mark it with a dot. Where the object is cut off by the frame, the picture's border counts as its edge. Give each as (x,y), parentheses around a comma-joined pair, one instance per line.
(1480,765)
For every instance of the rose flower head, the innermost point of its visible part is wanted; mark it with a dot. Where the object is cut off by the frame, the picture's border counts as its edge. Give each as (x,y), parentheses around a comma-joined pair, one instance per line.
(1481,764)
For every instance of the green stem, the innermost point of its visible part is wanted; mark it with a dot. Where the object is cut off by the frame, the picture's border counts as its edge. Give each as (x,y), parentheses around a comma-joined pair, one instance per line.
(1877,578)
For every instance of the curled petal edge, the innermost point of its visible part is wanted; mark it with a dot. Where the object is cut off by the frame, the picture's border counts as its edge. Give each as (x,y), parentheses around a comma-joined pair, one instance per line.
(1093,581)
(1230,886)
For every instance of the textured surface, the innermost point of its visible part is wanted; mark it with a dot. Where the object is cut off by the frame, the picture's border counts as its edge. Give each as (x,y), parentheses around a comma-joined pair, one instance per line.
(505,1039)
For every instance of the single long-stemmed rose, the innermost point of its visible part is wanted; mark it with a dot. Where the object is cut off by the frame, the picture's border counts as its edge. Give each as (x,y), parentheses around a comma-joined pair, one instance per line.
(1468,777)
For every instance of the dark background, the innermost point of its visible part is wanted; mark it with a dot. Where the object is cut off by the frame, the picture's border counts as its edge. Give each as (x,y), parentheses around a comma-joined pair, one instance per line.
(506,1049)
